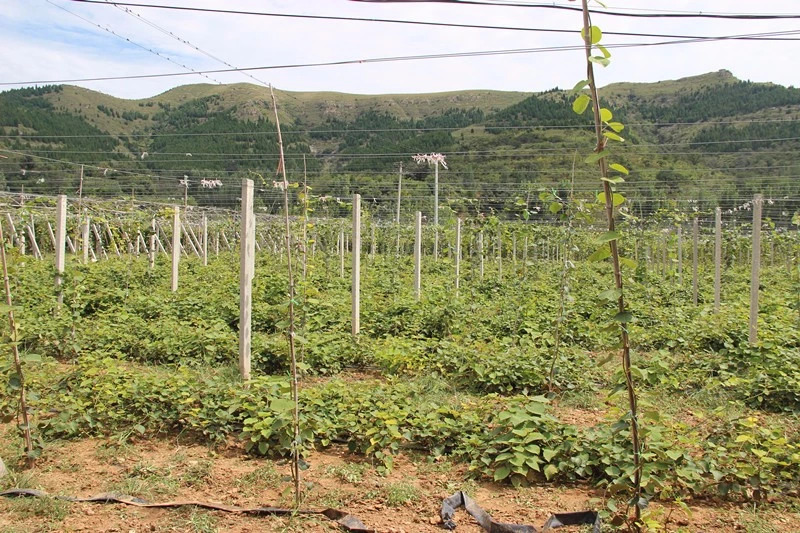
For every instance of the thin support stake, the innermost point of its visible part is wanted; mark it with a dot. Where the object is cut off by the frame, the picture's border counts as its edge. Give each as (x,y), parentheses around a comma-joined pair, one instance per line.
(695,239)
(60,239)
(458,254)
(246,272)
(356,289)
(418,255)
(176,247)
(717,258)
(758,202)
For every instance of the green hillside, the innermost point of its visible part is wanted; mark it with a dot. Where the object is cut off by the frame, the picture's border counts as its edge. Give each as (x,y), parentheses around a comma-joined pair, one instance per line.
(709,137)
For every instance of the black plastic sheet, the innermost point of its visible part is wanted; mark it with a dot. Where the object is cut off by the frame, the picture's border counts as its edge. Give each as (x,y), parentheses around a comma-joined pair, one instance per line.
(346,521)
(460,499)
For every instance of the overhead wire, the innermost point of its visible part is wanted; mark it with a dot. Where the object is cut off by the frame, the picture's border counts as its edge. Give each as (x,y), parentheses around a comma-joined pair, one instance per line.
(378,60)
(336,18)
(186,42)
(134,43)
(566,7)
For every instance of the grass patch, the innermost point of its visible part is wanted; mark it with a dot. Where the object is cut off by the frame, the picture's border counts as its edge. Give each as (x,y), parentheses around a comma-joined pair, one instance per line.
(198,521)
(352,473)
(19,480)
(50,508)
(335,498)
(263,477)
(197,473)
(146,481)
(401,493)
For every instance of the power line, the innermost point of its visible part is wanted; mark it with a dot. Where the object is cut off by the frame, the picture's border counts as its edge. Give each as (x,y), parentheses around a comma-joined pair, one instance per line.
(128,40)
(563,7)
(391,59)
(399,21)
(155,26)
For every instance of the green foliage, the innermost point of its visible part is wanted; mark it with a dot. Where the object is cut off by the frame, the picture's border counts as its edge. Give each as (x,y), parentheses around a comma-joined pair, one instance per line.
(128,358)
(480,129)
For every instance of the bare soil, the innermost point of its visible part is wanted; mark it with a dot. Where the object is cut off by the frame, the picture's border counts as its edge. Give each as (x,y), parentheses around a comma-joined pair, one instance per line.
(407,500)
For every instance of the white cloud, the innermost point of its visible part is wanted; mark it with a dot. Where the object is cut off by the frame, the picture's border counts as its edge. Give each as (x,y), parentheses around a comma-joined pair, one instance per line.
(33,49)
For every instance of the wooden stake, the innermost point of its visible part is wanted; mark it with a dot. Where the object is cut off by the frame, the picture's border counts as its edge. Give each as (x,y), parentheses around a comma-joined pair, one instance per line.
(246,274)
(418,255)
(397,215)
(60,240)
(717,258)
(112,240)
(458,254)
(356,273)
(190,240)
(342,247)
(758,202)
(12,236)
(205,240)
(34,246)
(480,253)
(85,238)
(695,239)
(166,238)
(176,246)
(197,245)
(193,240)
(680,256)
(153,250)
(51,234)
(296,471)
(436,212)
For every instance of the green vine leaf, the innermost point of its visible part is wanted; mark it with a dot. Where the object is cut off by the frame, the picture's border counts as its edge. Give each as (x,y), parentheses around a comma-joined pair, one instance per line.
(596,34)
(600,254)
(616,126)
(605,114)
(580,104)
(610,236)
(595,156)
(600,60)
(580,86)
(604,51)
(619,168)
(610,295)
(613,136)
(616,199)
(624,317)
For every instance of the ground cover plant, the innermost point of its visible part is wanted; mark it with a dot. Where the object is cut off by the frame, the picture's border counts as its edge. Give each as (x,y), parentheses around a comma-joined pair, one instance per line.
(127,359)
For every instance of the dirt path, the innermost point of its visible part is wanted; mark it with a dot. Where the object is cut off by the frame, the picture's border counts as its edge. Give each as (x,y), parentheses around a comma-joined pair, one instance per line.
(406,501)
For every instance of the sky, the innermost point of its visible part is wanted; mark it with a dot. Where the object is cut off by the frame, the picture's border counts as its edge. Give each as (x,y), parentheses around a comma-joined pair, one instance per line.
(39,40)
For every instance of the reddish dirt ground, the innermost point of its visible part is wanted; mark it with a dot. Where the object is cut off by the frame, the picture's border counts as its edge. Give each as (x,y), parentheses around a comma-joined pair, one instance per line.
(163,470)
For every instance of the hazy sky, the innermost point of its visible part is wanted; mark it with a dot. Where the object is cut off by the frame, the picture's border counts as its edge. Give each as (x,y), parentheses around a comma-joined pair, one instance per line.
(39,41)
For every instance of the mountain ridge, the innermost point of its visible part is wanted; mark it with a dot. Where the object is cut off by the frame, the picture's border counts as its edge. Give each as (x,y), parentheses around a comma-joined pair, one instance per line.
(499,141)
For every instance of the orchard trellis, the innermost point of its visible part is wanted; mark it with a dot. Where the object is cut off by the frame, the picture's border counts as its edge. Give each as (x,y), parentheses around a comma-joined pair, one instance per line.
(38,226)
(477,254)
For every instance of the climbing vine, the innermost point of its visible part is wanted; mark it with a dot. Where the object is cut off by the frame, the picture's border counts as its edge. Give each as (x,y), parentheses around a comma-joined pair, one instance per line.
(607,130)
